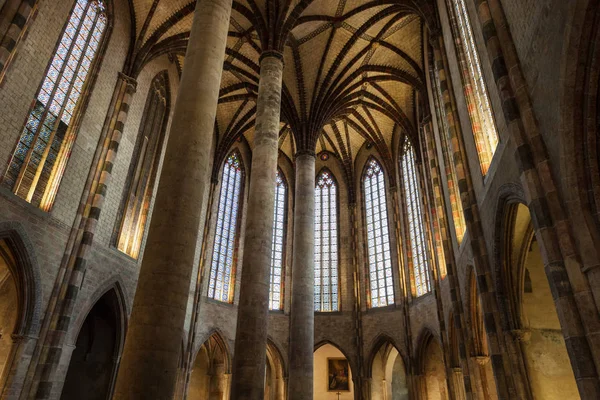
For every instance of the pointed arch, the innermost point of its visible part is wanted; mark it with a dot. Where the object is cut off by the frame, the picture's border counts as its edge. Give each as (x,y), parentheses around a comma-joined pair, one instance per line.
(18,251)
(430,367)
(381,281)
(418,256)
(143,170)
(210,368)
(277,276)
(226,235)
(387,370)
(39,160)
(327,351)
(98,337)
(276,374)
(327,294)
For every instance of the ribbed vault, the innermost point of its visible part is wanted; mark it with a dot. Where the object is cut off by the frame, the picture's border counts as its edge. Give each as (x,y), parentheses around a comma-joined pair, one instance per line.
(353,68)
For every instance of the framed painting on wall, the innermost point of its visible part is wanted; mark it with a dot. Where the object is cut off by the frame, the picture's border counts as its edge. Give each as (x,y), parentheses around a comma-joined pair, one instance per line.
(338,379)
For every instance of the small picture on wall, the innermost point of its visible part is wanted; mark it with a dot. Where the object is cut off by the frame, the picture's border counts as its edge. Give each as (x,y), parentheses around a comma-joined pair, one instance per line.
(339,377)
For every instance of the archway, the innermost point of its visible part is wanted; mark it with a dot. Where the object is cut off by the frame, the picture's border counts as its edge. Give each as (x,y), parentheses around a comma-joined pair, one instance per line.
(388,375)
(9,303)
(19,305)
(432,369)
(532,313)
(93,365)
(332,374)
(210,375)
(275,374)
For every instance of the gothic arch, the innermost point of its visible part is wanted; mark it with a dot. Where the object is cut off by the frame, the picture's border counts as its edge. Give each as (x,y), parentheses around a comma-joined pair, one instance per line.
(528,309)
(386,370)
(26,273)
(210,369)
(580,132)
(97,341)
(430,367)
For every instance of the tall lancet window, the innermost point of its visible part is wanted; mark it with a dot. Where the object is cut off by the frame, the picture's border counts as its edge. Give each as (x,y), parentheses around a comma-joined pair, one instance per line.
(416,225)
(142,173)
(277,251)
(378,236)
(478,102)
(41,155)
(220,286)
(326,243)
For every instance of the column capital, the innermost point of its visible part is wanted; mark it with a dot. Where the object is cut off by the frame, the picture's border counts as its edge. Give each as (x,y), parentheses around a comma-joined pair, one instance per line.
(521,335)
(132,82)
(271,53)
(300,153)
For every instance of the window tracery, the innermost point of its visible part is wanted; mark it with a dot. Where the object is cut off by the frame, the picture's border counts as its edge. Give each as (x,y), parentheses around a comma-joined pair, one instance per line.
(416,225)
(221,282)
(378,238)
(478,102)
(326,243)
(277,251)
(40,157)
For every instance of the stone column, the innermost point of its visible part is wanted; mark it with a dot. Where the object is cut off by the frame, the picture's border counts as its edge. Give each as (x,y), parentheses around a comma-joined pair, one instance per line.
(251,335)
(302,335)
(150,358)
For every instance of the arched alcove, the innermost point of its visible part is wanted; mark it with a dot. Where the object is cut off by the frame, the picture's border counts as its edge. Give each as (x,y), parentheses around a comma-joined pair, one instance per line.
(19,304)
(93,366)
(535,317)
(388,374)
(332,374)
(275,376)
(432,371)
(210,376)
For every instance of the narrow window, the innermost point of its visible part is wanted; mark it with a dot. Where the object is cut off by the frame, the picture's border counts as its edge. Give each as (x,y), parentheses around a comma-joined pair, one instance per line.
(221,271)
(39,160)
(326,243)
(416,226)
(378,236)
(142,176)
(458,216)
(277,252)
(478,102)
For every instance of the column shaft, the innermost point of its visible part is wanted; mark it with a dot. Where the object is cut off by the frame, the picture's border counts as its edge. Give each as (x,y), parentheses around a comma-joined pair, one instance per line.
(150,359)
(302,323)
(251,334)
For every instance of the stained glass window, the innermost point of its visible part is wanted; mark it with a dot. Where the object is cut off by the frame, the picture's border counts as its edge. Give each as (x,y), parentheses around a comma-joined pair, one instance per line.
(416,226)
(326,243)
(478,102)
(378,236)
(220,285)
(458,216)
(41,154)
(277,251)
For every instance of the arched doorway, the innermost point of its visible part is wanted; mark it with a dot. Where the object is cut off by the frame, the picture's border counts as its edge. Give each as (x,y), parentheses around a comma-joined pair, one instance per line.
(433,384)
(275,374)
(332,374)
(533,311)
(388,375)
(93,365)
(211,373)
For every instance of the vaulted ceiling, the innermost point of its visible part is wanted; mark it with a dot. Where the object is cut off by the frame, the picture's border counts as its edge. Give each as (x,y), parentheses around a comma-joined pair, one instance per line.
(353,68)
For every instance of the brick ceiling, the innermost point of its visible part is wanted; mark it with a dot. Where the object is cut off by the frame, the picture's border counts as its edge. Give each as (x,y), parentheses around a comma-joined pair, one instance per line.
(353,68)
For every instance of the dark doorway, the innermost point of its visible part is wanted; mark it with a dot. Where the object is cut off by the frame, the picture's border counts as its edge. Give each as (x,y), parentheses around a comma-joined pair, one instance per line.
(93,363)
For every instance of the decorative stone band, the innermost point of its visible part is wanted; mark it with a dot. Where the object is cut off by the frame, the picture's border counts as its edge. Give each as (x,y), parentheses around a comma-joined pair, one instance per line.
(126,86)
(14,33)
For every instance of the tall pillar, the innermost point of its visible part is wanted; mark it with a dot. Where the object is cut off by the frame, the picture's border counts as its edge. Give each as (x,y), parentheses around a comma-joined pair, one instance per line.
(251,335)
(302,332)
(150,358)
